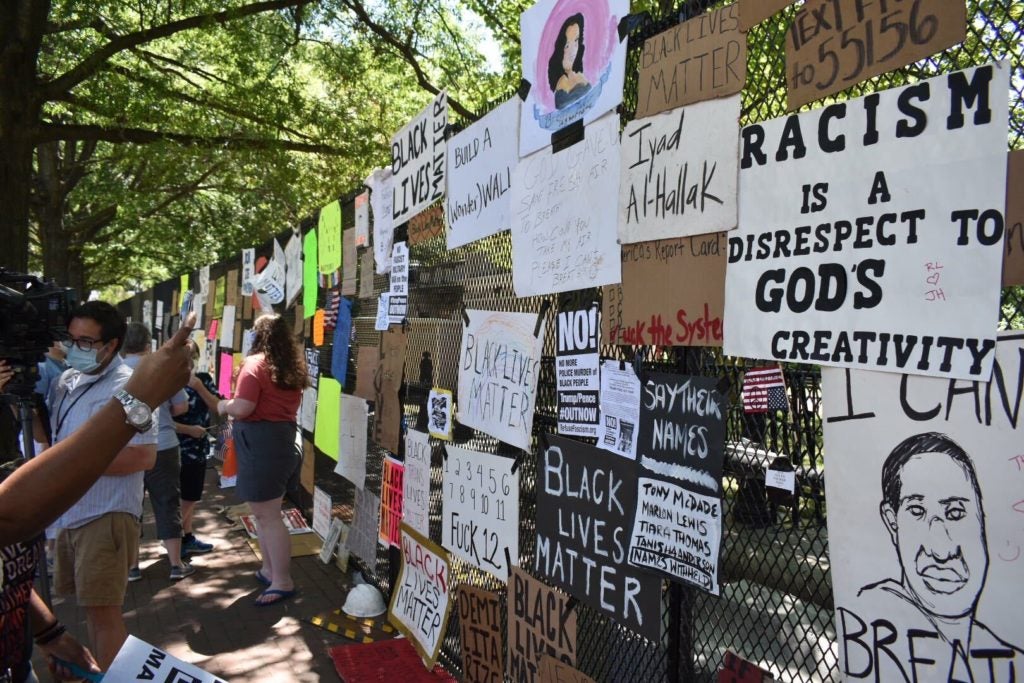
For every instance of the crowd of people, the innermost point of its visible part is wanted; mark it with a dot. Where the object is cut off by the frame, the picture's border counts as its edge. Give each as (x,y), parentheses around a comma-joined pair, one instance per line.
(114,418)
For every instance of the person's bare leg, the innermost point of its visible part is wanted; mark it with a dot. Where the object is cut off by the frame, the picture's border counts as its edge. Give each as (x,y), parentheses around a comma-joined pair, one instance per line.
(173,546)
(188,508)
(275,544)
(107,632)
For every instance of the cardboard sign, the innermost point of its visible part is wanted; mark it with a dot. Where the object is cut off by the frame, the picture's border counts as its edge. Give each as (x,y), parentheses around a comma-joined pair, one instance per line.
(879,249)
(352,440)
(440,408)
(924,510)
(480,626)
(418,161)
(1013,258)
(426,225)
(137,660)
(416,482)
(677,531)
(480,509)
(387,382)
(391,491)
(480,163)
(498,370)
(367,358)
(349,262)
(398,299)
(321,512)
(834,44)
(362,227)
(381,183)
(554,671)
(672,293)
(699,59)
(679,172)
(737,670)
(328,235)
(540,621)
(328,411)
(753,12)
(577,366)
(366,275)
(574,62)
(421,600)
(564,221)
(362,538)
(581,488)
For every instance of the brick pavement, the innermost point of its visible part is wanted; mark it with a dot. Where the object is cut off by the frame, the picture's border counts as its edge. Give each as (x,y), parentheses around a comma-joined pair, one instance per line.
(208,619)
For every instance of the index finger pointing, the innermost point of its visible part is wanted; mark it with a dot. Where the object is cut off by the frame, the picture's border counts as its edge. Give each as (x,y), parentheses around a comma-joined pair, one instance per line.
(181,336)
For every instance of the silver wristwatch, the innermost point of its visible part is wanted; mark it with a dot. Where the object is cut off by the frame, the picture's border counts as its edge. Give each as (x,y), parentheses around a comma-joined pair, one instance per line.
(137,414)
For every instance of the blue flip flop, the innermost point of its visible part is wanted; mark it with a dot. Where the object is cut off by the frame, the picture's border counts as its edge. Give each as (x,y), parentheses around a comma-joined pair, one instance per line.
(262,579)
(279,594)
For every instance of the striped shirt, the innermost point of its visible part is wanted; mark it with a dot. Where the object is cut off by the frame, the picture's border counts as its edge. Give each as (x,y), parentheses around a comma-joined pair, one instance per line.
(74,399)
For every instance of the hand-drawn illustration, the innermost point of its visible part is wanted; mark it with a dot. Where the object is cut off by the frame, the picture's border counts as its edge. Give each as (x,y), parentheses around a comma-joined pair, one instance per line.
(440,407)
(575,62)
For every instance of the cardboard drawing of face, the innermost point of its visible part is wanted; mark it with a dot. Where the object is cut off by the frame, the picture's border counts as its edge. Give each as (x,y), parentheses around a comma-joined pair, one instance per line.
(939,534)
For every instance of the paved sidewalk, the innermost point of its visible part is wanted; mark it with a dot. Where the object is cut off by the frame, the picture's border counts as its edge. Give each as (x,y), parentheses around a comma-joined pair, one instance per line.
(209,619)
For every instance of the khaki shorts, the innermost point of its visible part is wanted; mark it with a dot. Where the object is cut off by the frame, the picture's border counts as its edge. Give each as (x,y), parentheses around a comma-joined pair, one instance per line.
(92,561)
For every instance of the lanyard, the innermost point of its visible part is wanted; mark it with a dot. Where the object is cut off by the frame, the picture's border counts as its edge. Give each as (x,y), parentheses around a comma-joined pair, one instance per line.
(63,418)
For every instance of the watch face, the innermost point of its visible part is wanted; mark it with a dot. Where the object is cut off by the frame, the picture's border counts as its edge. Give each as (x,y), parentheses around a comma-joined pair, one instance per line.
(138,415)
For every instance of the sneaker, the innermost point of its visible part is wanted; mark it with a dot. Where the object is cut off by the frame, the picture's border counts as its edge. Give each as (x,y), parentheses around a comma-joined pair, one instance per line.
(190,545)
(179,573)
(134,574)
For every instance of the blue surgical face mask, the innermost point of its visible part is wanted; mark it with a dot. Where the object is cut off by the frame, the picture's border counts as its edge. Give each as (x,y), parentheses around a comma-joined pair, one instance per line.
(83,361)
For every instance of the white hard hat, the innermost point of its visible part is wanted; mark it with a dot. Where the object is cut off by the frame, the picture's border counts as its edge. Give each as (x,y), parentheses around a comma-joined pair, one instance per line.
(364,601)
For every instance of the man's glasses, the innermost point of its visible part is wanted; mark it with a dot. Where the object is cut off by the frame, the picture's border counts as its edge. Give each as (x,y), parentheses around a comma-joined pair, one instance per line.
(83,343)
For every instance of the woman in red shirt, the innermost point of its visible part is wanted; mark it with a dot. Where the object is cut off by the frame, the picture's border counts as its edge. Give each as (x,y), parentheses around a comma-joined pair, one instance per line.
(267,397)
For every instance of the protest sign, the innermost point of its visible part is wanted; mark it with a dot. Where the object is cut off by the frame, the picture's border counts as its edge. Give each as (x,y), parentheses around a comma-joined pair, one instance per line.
(366,275)
(620,408)
(328,235)
(248,271)
(1013,258)
(352,440)
(383,319)
(387,382)
(312,366)
(440,407)
(679,172)
(753,12)
(879,246)
(577,368)
(398,299)
(541,621)
(421,600)
(426,225)
(381,183)
(499,362)
(362,538)
(480,163)
(553,671)
(335,541)
(672,293)
(480,509)
(321,512)
(418,161)
(924,489)
(677,529)
(137,660)
(391,491)
(293,269)
(310,281)
(585,503)
(367,358)
(362,219)
(416,482)
(574,62)
(479,613)
(700,59)
(834,44)
(349,262)
(565,210)
(328,412)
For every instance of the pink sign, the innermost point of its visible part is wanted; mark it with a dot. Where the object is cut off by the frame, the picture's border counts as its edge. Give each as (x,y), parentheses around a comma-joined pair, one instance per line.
(224,375)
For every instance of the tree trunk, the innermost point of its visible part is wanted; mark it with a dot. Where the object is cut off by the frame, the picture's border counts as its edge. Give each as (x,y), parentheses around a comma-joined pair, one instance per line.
(22,23)
(62,250)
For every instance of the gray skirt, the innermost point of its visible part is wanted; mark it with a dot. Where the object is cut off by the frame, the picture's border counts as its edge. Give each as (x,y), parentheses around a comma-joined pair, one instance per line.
(269,462)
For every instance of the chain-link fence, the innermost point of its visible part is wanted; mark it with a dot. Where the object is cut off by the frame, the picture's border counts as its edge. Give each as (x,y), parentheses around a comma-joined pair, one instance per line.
(775,606)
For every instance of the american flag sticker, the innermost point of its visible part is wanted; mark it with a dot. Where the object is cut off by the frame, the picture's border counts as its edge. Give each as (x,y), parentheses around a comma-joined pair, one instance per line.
(764,389)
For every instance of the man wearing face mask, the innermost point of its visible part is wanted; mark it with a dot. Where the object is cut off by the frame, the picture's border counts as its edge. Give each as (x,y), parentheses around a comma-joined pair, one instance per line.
(100,533)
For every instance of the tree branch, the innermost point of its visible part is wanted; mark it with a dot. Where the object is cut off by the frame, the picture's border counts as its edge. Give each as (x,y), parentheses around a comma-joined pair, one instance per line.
(88,66)
(86,228)
(407,53)
(140,136)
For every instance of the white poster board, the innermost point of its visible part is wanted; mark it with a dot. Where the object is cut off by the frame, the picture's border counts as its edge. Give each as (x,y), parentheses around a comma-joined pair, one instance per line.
(620,409)
(870,231)
(924,509)
(574,75)
(293,269)
(137,660)
(577,367)
(227,327)
(380,183)
(362,537)
(321,512)
(418,161)
(498,369)
(679,172)
(480,163)
(352,440)
(565,214)
(422,595)
(416,482)
(307,409)
(480,509)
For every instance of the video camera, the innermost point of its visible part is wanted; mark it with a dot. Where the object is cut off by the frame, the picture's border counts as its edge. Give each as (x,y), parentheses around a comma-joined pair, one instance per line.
(33,315)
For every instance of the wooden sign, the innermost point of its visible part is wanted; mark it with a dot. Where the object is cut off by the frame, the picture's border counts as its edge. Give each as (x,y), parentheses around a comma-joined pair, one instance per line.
(834,44)
(700,59)
(1013,258)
